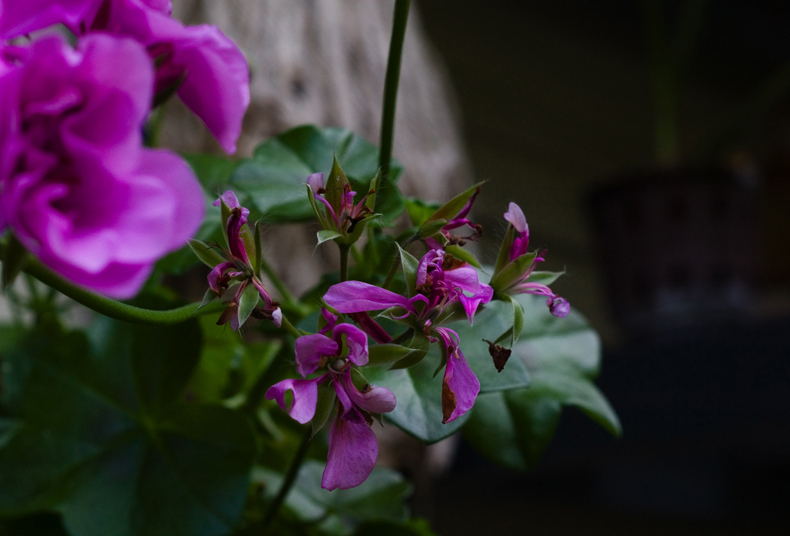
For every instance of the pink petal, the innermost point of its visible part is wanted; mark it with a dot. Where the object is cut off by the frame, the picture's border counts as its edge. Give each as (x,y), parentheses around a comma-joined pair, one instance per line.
(353,450)
(310,349)
(355,297)
(515,216)
(21,17)
(217,86)
(305,393)
(374,400)
(356,341)
(316,182)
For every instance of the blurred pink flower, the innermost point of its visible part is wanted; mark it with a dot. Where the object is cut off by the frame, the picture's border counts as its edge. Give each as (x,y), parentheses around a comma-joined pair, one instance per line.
(76,186)
(205,68)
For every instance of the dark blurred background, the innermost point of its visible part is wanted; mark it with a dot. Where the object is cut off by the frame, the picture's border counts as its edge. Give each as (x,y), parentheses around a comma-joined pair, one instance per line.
(681,263)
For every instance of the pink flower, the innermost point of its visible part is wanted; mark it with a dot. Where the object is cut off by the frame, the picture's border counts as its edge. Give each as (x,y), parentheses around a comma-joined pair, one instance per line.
(441,282)
(557,305)
(76,185)
(205,68)
(239,268)
(353,448)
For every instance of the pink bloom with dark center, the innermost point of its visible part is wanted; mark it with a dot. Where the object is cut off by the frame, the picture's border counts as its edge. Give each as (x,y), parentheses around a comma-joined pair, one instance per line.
(76,185)
(353,447)
(205,68)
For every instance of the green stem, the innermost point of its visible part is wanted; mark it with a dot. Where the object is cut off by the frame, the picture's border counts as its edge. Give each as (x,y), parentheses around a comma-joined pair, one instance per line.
(290,478)
(400,18)
(113,308)
(289,300)
(287,326)
(391,273)
(344,263)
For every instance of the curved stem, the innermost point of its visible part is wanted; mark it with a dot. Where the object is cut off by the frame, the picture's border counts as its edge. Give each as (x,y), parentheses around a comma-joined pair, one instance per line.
(113,308)
(290,478)
(287,326)
(400,18)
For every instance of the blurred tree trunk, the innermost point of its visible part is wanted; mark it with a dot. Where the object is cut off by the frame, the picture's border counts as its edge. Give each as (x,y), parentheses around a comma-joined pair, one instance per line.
(324,62)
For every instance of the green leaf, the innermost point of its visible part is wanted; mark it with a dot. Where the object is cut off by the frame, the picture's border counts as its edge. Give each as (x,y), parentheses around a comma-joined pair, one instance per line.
(513,332)
(495,318)
(228,366)
(419,395)
(335,183)
(14,257)
(544,278)
(512,272)
(504,250)
(104,437)
(419,346)
(381,497)
(409,265)
(465,255)
(212,171)
(451,209)
(258,249)
(274,178)
(384,354)
(514,427)
(324,406)
(207,254)
(325,235)
(247,302)
(419,211)
(431,227)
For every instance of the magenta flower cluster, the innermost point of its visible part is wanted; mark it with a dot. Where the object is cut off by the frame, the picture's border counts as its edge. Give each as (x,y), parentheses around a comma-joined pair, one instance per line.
(77,186)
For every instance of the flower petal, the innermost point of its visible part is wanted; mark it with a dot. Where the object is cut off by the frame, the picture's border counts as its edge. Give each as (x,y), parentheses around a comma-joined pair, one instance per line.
(353,450)
(305,393)
(356,341)
(310,349)
(374,399)
(356,296)
(316,182)
(515,216)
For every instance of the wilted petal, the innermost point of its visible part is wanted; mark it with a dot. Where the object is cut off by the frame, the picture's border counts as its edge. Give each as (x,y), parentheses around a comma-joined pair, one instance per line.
(219,277)
(352,453)
(459,387)
(310,349)
(305,393)
(356,342)
(356,296)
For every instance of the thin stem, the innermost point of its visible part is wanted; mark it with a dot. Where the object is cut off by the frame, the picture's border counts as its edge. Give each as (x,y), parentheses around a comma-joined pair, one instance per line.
(400,18)
(289,300)
(287,326)
(115,309)
(290,478)
(344,262)
(392,272)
